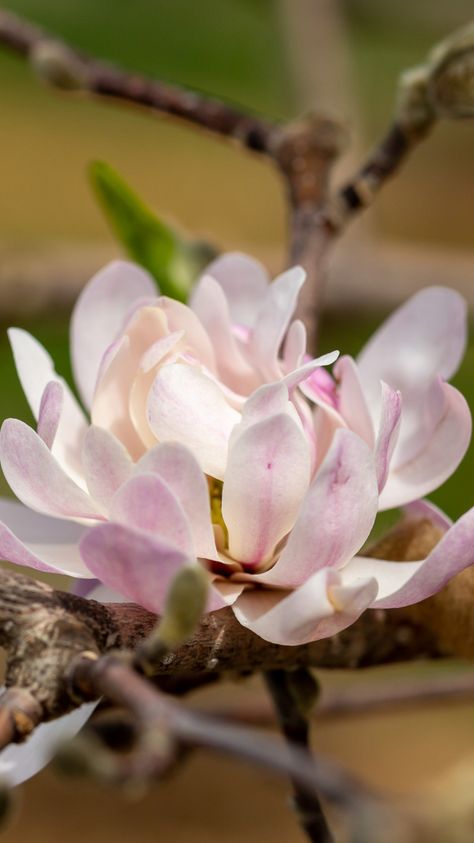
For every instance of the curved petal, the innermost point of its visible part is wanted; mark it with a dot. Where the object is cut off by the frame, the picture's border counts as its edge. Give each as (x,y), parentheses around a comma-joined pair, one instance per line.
(426,509)
(210,305)
(146,503)
(37,479)
(319,608)
(401,584)
(424,338)
(36,371)
(36,541)
(186,406)
(352,404)
(107,464)
(164,350)
(294,347)
(100,314)
(177,466)
(19,762)
(245,283)
(266,478)
(389,428)
(438,459)
(49,416)
(336,515)
(180,317)
(272,321)
(111,404)
(133,563)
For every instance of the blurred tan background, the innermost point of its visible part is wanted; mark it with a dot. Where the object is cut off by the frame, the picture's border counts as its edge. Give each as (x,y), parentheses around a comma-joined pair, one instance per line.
(278,57)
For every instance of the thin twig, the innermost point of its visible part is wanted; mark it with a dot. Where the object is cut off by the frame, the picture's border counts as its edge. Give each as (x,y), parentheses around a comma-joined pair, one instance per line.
(113,678)
(295,727)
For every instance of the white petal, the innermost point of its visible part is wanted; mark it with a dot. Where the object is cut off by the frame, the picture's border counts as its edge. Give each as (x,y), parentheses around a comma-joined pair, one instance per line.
(187,406)
(99,316)
(106,463)
(273,319)
(35,371)
(244,281)
(20,762)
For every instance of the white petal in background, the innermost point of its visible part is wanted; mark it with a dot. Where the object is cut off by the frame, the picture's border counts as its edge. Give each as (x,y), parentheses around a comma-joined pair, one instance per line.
(19,762)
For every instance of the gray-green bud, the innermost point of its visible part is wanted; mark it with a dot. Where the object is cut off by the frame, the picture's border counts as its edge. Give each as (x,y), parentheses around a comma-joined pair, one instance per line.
(184,607)
(451,82)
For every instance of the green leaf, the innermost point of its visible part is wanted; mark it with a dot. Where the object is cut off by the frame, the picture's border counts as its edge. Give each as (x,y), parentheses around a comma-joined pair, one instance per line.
(174,261)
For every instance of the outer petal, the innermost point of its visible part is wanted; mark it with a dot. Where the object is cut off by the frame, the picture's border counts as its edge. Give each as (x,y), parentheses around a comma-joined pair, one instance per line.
(321,607)
(295,346)
(245,283)
(177,466)
(401,584)
(146,503)
(187,406)
(336,516)
(426,509)
(439,458)
(266,478)
(133,563)
(424,338)
(36,371)
(273,319)
(99,316)
(38,542)
(37,479)
(107,464)
(19,762)
(210,305)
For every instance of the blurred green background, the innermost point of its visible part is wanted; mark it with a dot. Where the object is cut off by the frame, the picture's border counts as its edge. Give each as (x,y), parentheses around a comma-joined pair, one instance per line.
(237,49)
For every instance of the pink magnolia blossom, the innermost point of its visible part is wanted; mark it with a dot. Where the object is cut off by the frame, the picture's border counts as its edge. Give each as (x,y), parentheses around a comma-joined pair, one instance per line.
(203,446)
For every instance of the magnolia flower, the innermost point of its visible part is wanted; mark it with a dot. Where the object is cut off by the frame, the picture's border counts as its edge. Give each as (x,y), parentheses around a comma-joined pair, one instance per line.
(202,446)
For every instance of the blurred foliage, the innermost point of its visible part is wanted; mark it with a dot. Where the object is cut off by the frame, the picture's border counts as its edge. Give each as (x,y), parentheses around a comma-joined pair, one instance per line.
(173,260)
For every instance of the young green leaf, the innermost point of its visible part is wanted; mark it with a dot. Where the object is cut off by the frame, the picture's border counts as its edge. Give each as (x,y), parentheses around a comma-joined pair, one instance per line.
(172,260)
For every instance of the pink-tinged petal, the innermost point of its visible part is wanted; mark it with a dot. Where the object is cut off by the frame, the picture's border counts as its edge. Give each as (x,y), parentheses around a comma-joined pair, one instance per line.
(36,477)
(210,305)
(319,608)
(424,338)
(107,464)
(336,515)
(187,406)
(165,350)
(266,478)
(225,591)
(52,402)
(294,347)
(177,466)
(111,405)
(438,459)
(301,374)
(19,762)
(36,541)
(99,316)
(404,583)
(245,283)
(272,321)
(389,428)
(146,503)
(426,509)
(352,403)
(133,563)
(327,421)
(181,318)
(321,388)
(36,370)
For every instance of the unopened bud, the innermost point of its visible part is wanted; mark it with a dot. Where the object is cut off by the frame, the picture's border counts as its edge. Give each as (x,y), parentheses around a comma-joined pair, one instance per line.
(414,111)
(57,65)
(451,83)
(184,607)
